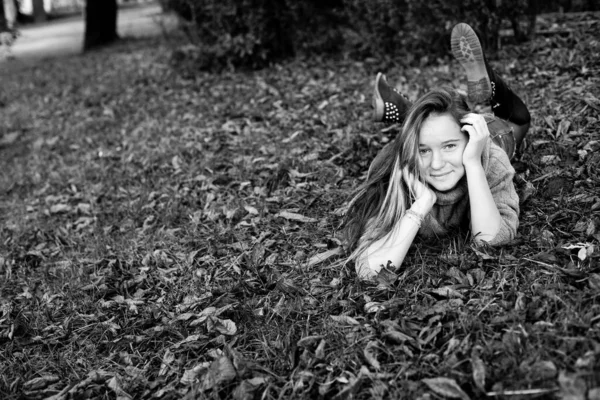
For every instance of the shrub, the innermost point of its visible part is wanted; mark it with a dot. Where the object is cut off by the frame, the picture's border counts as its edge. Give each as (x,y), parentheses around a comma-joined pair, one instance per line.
(253,33)
(416,30)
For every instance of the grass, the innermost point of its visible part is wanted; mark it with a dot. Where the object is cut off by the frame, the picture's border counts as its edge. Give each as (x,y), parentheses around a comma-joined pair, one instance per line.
(158,231)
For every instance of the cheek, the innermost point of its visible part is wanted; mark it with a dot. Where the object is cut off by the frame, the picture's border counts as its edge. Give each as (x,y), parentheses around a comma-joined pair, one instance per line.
(421,164)
(459,152)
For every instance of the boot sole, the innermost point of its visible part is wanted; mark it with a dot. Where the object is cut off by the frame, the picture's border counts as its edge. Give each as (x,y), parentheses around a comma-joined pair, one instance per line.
(467,50)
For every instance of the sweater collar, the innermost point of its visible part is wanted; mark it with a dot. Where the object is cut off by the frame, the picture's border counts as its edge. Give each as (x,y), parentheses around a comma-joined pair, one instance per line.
(453,195)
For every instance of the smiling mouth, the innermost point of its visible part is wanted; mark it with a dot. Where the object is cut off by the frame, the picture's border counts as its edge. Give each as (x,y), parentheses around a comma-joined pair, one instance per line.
(440,175)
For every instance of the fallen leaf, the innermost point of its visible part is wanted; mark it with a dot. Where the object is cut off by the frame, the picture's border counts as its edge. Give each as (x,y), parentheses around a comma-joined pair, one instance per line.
(594,281)
(115,385)
(221,370)
(397,337)
(594,394)
(60,208)
(319,258)
(478,372)
(191,338)
(40,382)
(373,306)
(224,326)
(295,217)
(320,350)
(165,365)
(344,319)
(447,291)
(370,353)
(9,138)
(309,340)
(572,386)
(190,375)
(445,387)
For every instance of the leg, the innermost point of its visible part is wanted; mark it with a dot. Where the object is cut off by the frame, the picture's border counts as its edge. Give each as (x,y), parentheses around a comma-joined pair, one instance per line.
(485,85)
(388,105)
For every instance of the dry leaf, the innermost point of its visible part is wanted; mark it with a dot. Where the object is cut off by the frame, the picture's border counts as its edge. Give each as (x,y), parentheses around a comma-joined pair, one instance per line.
(221,370)
(397,337)
(39,383)
(344,319)
(168,358)
(191,338)
(447,291)
(370,353)
(190,375)
(373,306)
(320,350)
(60,208)
(115,385)
(309,340)
(288,286)
(594,394)
(295,217)
(224,326)
(572,386)
(478,372)
(588,360)
(319,258)
(251,210)
(9,138)
(446,387)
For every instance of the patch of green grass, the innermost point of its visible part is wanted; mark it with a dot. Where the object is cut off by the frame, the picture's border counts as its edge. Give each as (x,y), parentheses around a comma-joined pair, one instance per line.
(157,233)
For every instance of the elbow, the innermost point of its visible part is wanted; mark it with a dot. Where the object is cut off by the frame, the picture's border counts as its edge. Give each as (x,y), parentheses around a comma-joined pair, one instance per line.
(363,268)
(505,235)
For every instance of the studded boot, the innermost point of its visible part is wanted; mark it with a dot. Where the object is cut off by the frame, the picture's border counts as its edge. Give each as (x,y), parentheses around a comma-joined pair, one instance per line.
(388,104)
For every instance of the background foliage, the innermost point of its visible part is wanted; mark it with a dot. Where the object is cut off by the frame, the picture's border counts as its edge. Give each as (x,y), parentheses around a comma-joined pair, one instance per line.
(253,33)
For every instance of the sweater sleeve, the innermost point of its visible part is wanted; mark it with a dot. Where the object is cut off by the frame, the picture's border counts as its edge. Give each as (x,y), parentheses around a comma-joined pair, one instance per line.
(500,175)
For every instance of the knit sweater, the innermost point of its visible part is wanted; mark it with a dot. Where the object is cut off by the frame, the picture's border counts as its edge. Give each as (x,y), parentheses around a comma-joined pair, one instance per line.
(451,210)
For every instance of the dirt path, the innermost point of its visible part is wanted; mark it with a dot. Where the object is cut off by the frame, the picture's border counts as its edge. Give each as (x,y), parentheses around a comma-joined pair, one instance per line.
(65,36)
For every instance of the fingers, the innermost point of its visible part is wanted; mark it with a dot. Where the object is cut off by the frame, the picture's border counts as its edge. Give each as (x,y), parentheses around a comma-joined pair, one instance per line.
(475,126)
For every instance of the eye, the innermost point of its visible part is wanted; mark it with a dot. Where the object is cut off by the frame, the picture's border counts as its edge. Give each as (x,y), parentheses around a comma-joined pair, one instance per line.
(423,151)
(450,146)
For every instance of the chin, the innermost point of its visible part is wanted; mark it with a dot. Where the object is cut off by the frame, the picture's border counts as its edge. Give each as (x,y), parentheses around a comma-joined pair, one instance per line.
(443,186)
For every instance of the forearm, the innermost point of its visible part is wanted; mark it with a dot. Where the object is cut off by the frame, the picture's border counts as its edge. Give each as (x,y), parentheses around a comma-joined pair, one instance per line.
(392,247)
(485,217)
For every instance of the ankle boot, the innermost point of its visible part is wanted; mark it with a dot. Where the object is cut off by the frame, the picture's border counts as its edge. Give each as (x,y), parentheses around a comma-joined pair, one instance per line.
(484,85)
(505,103)
(388,105)
(466,48)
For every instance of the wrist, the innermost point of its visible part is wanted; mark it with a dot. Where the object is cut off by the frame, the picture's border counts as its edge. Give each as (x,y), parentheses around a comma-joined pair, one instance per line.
(422,206)
(472,165)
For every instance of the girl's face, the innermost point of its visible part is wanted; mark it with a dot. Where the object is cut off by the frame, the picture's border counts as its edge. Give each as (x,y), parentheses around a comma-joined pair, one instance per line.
(441,146)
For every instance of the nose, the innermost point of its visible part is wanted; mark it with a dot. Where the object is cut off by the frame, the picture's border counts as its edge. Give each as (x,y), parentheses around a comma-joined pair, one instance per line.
(437,160)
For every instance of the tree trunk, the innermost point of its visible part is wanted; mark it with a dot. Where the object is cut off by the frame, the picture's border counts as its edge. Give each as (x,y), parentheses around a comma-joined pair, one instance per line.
(39,13)
(100,23)
(3,22)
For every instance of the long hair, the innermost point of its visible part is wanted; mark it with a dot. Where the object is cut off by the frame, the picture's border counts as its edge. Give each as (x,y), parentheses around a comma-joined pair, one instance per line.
(380,202)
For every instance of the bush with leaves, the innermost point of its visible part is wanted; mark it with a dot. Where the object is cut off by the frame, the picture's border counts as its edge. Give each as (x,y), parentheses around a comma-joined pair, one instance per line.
(253,33)
(412,30)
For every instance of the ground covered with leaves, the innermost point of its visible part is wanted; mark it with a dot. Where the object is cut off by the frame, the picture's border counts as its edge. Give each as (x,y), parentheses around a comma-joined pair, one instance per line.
(173,235)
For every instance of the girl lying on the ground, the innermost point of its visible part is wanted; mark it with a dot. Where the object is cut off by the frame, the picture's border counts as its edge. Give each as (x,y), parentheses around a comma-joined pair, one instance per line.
(447,170)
